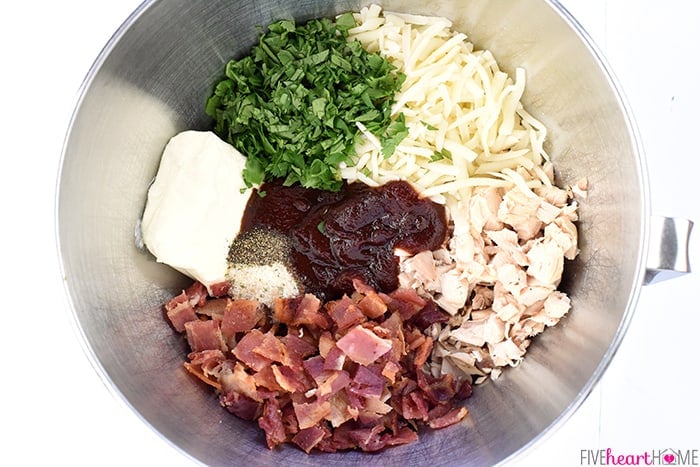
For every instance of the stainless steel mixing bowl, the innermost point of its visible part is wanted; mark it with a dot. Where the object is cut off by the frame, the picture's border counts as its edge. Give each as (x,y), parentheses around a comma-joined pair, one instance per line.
(152,80)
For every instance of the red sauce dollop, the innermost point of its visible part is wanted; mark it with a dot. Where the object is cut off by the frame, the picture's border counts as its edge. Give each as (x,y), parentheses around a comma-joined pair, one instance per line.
(340,236)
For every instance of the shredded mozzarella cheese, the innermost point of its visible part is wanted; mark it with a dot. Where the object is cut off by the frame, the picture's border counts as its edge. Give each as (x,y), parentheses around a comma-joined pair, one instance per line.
(466,124)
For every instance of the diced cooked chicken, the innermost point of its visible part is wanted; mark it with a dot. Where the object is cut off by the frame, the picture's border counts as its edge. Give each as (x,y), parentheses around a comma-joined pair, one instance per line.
(580,188)
(498,276)
(454,292)
(519,211)
(483,210)
(553,195)
(546,262)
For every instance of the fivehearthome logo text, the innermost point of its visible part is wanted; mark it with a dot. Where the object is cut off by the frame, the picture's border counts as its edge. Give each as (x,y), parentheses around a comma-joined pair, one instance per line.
(666,456)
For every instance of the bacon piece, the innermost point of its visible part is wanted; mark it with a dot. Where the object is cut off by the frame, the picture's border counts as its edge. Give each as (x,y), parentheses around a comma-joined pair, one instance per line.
(297,349)
(351,435)
(220,289)
(240,316)
(266,378)
(428,315)
(453,416)
(289,419)
(363,346)
(414,406)
(394,324)
(404,435)
(360,286)
(291,380)
(272,348)
(390,370)
(372,305)
(214,308)
(325,344)
(238,380)
(335,359)
(308,438)
(204,335)
(245,350)
(308,313)
(314,367)
(406,301)
(205,366)
(311,413)
(464,390)
(241,406)
(341,411)
(345,313)
(423,352)
(367,383)
(375,410)
(271,422)
(333,383)
(196,294)
(439,390)
(300,311)
(180,311)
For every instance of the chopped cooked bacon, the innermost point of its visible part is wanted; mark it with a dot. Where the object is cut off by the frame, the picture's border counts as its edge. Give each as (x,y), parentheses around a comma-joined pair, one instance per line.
(241,406)
(414,406)
(372,305)
(297,349)
(214,308)
(240,316)
(367,382)
(238,380)
(404,436)
(290,379)
(363,346)
(335,359)
(342,375)
(345,313)
(390,370)
(307,312)
(271,423)
(204,335)
(407,302)
(341,410)
(325,344)
(301,311)
(180,311)
(266,378)
(311,413)
(272,348)
(314,367)
(220,289)
(454,415)
(360,286)
(245,350)
(439,390)
(196,294)
(308,438)
(334,381)
(429,315)
(423,352)
(205,365)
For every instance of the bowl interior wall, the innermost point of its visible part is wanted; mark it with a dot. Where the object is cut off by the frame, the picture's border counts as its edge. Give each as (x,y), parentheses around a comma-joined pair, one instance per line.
(153,81)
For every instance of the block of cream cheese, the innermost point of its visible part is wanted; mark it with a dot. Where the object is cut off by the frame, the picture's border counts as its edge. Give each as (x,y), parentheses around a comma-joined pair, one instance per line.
(195,205)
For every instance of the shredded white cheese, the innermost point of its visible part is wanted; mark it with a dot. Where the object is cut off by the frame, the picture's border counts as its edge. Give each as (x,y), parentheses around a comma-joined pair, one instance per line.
(466,124)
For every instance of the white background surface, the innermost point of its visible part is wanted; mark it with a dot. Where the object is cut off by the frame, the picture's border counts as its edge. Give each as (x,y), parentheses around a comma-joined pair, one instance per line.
(58,411)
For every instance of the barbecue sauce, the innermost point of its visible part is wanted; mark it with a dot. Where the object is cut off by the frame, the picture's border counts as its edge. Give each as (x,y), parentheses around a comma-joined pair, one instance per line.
(351,234)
